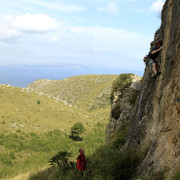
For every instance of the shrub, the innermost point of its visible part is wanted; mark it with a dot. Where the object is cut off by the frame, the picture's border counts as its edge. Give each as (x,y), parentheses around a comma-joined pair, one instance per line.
(176,176)
(61,159)
(33,134)
(133,97)
(12,155)
(121,83)
(38,102)
(2,135)
(111,162)
(118,139)
(18,131)
(6,159)
(76,130)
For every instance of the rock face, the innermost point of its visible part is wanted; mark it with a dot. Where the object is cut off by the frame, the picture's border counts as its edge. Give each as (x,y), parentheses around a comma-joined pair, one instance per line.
(155,120)
(121,107)
(155,117)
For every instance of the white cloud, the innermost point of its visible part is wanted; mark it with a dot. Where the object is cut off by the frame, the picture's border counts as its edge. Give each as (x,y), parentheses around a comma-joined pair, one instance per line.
(11,27)
(94,44)
(156,6)
(7,31)
(7,34)
(110,8)
(35,23)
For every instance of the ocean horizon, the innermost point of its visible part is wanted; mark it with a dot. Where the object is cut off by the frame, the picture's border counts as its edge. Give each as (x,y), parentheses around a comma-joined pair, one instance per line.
(21,76)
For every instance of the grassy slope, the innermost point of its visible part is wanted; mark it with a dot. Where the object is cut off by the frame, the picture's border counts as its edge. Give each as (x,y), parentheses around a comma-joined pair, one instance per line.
(84,92)
(30,112)
(27,121)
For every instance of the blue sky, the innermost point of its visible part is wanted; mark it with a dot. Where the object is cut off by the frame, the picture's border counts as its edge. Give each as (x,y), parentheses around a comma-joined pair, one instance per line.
(94,33)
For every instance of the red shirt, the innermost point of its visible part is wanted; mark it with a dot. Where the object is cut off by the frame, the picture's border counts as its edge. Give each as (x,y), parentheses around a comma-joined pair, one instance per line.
(81,162)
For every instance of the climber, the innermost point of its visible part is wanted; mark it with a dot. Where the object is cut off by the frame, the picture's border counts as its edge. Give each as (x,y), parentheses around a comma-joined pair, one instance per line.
(81,162)
(153,54)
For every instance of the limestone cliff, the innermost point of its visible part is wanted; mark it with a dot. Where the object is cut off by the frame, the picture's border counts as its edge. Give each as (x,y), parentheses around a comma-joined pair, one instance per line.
(122,104)
(155,118)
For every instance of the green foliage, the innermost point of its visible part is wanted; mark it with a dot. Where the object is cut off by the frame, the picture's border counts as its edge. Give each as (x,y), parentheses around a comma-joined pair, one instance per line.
(107,162)
(76,130)
(133,97)
(61,159)
(122,82)
(6,159)
(12,155)
(118,139)
(3,122)
(34,151)
(18,131)
(35,138)
(39,102)
(176,176)
(33,134)
(2,135)
(110,162)
(81,91)
(56,173)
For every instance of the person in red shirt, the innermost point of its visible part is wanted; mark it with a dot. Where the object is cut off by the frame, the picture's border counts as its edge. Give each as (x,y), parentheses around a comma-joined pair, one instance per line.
(81,162)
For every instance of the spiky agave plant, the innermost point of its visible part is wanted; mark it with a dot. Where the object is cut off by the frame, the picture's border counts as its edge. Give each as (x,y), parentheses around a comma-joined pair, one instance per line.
(61,159)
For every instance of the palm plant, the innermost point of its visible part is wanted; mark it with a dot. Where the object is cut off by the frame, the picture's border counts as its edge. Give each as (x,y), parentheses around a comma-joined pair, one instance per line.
(61,159)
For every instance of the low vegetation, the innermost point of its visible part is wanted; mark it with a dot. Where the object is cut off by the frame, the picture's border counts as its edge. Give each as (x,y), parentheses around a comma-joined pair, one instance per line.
(36,130)
(177,175)
(88,92)
(35,126)
(34,150)
(107,162)
(122,82)
(133,97)
(76,130)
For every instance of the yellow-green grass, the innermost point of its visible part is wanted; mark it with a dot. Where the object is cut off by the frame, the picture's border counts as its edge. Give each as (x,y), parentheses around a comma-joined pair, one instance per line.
(34,126)
(27,111)
(86,92)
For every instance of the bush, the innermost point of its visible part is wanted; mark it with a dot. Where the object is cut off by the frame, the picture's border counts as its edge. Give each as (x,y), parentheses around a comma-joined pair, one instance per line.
(76,130)
(61,159)
(121,83)
(33,134)
(12,155)
(39,102)
(18,131)
(176,176)
(118,139)
(133,97)
(6,159)
(110,162)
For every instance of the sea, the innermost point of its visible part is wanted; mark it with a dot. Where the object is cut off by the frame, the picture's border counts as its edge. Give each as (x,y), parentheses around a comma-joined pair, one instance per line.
(23,75)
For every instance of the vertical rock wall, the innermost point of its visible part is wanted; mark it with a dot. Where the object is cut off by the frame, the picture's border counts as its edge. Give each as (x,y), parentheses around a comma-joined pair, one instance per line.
(121,108)
(155,120)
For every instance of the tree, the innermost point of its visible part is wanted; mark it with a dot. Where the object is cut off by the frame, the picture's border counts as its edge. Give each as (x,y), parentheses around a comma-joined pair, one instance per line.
(76,130)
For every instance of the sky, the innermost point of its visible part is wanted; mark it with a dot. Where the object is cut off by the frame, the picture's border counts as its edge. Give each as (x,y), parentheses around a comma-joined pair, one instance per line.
(92,33)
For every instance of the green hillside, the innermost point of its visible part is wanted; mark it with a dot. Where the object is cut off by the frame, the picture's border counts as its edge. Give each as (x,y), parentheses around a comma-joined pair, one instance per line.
(35,125)
(85,92)
(29,112)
